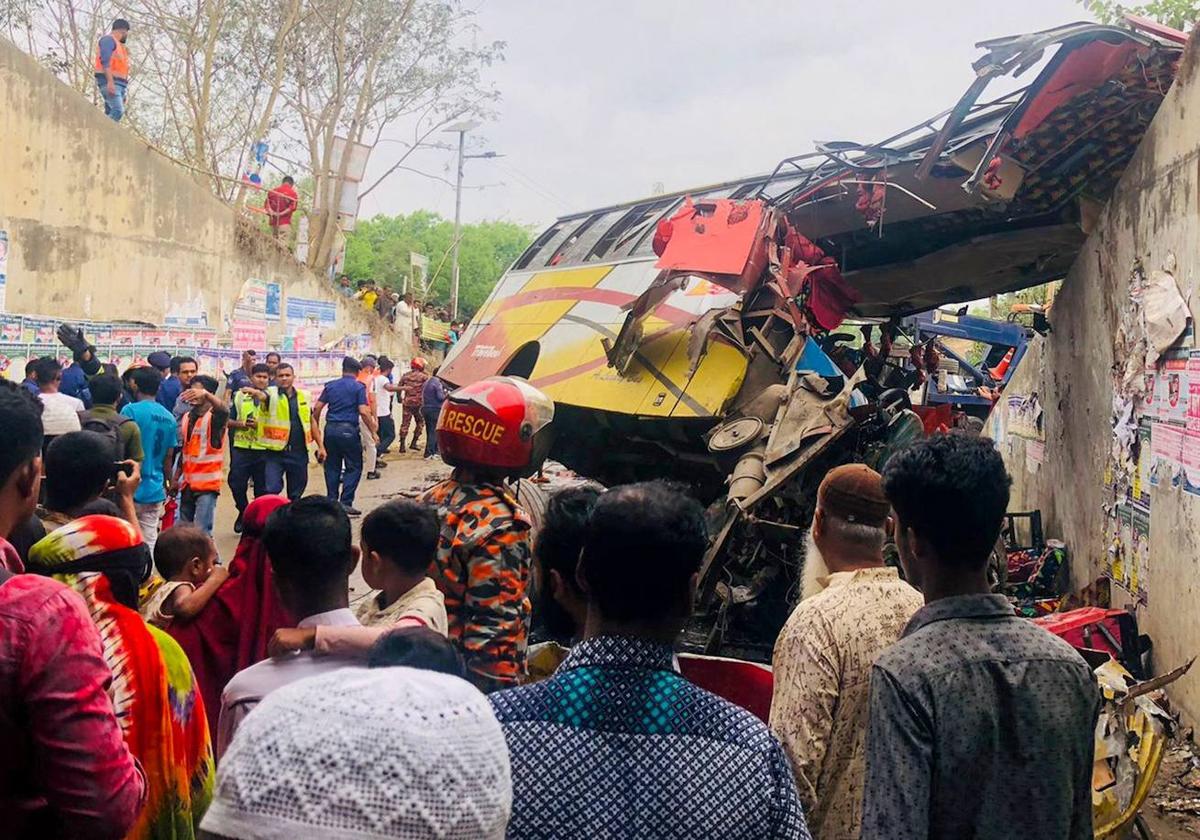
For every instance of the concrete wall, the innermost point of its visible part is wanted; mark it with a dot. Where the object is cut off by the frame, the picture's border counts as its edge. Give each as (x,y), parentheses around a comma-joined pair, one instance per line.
(105,228)
(1155,211)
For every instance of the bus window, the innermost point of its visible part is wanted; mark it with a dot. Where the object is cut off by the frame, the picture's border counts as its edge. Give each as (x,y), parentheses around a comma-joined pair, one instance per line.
(644,246)
(617,240)
(577,247)
(546,244)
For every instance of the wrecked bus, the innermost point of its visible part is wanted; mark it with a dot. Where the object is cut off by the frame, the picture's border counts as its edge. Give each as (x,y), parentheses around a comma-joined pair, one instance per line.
(702,335)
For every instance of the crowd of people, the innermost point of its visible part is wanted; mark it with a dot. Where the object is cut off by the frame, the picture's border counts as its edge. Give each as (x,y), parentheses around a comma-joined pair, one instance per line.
(433,327)
(149,690)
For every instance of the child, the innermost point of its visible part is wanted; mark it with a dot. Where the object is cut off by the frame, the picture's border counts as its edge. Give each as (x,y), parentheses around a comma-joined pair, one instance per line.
(398,544)
(202,447)
(187,558)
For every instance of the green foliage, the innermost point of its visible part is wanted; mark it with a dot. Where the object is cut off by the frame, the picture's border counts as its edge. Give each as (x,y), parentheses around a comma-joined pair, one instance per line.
(1179,14)
(379,248)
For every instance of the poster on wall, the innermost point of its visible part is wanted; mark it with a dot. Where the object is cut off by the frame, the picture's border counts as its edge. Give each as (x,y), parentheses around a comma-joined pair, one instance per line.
(10,329)
(1138,564)
(1173,390)
(249,333)
(251,304)
(302,311)
(272,301)
(3,270)
(1166,454)
(1190,472)
(1139,488)
(1025,417)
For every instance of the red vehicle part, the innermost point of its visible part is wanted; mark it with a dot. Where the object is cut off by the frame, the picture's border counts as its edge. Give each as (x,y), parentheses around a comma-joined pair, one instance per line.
(724,239)
(1094,628)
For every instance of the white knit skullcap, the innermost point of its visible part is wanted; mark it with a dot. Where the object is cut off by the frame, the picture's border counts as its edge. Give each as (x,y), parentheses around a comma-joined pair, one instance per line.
(357,753)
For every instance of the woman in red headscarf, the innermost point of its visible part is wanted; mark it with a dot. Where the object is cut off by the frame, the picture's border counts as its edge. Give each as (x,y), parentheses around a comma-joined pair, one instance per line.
(232,631)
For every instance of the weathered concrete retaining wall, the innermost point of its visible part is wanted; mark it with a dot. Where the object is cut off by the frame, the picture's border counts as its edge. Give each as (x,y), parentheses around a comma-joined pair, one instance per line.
(1155,211)
(103,227)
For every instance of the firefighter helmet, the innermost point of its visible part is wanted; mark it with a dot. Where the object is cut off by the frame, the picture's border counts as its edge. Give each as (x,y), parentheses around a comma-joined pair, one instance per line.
(499,424)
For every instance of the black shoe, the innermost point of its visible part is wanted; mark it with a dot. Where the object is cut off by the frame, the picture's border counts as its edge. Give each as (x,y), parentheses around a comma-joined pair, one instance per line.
(352,511)
(371,476)
(237,524)
(379,465)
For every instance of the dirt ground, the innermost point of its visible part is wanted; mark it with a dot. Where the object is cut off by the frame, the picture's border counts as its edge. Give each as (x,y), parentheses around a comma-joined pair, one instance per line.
(404,475)
(1173,809)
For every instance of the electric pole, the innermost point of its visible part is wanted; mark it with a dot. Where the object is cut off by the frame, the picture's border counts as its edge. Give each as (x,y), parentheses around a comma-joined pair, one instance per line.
(461,130)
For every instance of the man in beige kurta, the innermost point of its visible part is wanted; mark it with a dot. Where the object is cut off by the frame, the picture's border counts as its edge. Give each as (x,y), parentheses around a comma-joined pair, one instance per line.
(853,608)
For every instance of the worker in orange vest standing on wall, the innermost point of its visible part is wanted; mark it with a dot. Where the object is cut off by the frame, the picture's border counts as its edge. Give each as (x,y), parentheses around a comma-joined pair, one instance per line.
(112,69)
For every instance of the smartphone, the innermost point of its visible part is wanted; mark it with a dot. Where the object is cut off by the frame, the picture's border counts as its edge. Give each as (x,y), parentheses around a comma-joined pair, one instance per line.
(121,467)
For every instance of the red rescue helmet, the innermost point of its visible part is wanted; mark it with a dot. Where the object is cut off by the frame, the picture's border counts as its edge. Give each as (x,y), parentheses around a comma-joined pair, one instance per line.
(418,363)
(499,424)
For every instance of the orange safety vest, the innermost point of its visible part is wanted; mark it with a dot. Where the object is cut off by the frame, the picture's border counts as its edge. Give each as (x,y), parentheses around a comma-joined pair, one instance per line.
(118,63)
(202,462)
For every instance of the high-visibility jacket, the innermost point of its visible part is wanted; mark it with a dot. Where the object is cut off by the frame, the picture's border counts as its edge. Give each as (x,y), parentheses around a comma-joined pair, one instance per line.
(246,408)
(118,63)
(275,425)
(202,461)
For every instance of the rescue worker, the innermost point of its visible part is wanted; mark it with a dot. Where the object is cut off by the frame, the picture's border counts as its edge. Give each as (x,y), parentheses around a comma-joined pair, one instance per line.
(202,435)
(410,388)
(112,69)
(247,460)
(285,433)
(496,429)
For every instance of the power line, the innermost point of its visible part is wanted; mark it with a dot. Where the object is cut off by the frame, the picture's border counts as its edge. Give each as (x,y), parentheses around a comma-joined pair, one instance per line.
(534,186)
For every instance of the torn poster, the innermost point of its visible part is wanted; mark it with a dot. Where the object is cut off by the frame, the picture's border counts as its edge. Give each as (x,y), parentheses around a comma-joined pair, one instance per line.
(1035,454)
(1125,567)
(3,270)
(1150,392)
(1138,564)
(1166,454)
(1025,417)
(1139,489)
(1165,310)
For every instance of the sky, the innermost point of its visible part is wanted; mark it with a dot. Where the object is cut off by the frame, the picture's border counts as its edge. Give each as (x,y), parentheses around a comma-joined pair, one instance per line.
(602,102)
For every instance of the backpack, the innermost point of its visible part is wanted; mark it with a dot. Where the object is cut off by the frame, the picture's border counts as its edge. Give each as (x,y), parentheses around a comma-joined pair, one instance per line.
(109,428)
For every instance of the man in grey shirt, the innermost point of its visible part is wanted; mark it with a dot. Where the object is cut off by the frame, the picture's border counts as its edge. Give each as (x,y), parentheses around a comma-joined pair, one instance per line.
(981,722)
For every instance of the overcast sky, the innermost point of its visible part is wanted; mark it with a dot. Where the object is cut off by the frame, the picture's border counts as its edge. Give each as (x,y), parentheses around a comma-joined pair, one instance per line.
(602,100)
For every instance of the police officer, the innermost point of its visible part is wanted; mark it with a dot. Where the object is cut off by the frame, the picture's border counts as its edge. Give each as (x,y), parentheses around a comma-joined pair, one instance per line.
(493,430)
(339,446)
(247,460)
(285,433)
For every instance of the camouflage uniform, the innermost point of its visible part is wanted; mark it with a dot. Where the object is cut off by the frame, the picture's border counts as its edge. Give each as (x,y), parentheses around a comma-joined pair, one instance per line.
(482,568)
(412,383)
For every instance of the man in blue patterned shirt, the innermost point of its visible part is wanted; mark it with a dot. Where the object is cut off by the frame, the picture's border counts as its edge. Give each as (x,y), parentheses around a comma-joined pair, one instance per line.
(617,744)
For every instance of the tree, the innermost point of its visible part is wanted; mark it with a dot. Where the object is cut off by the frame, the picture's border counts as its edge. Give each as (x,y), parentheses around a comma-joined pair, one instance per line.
(379,249)
(213,77)
(1178,14)
(359,66)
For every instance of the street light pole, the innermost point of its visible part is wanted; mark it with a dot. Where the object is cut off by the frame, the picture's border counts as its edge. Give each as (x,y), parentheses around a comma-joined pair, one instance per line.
(461,129)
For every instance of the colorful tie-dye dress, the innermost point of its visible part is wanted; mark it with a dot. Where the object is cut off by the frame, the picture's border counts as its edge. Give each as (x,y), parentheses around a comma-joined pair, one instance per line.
(153,689)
